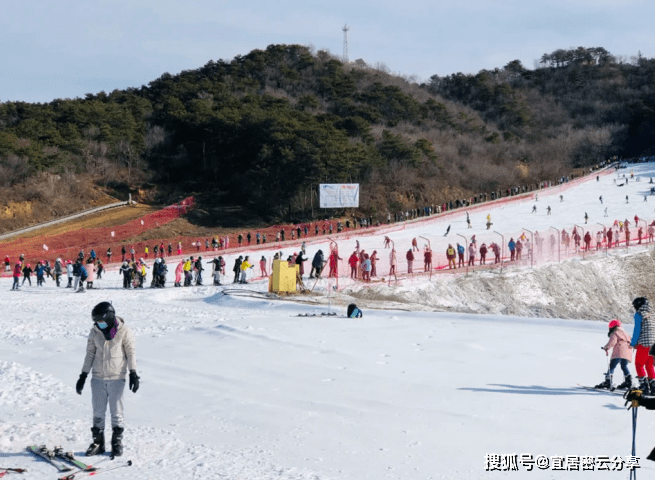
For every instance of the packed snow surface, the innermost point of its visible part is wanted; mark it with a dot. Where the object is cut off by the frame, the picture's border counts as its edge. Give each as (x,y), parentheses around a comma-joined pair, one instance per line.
(436,375)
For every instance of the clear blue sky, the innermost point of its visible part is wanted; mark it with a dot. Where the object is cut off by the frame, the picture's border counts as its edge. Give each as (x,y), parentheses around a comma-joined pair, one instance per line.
(66,48)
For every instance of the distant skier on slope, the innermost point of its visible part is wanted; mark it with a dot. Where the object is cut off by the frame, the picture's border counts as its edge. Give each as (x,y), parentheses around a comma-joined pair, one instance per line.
(109,335)
(619,343)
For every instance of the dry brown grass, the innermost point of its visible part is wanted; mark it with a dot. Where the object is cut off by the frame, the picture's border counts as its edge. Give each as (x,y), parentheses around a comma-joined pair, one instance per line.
(109,218)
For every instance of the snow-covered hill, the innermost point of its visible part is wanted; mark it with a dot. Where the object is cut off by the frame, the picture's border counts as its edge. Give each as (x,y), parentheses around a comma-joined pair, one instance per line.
(243,388)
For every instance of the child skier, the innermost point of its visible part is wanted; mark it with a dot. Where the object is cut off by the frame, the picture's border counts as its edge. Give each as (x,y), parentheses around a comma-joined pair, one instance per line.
(619,342)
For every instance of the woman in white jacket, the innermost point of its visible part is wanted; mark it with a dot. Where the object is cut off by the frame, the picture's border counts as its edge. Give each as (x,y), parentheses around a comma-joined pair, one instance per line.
(110,354)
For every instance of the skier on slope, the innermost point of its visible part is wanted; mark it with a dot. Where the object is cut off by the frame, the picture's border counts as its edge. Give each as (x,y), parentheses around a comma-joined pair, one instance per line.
(58,271)
(179,270)
(126,271)
(237,268)
(69,273)
(643,337)
(619,342)
(17,271)
(110,354)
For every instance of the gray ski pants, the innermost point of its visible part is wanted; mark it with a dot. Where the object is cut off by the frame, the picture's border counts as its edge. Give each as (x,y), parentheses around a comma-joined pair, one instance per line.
(105,392)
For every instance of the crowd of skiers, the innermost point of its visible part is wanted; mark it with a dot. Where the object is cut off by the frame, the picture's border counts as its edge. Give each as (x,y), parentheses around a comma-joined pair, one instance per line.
(79,272)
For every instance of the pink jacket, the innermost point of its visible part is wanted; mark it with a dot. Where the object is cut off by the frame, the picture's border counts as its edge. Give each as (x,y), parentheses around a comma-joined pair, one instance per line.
(178,272)
(90,272)
(619,342)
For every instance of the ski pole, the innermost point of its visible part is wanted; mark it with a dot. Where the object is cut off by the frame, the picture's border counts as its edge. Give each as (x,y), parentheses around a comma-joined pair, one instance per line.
(633,472)
(84,474)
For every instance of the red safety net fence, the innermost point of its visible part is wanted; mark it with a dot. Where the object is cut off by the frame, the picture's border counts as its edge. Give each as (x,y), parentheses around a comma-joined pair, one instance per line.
(68,245)
(289,237)
(528,248)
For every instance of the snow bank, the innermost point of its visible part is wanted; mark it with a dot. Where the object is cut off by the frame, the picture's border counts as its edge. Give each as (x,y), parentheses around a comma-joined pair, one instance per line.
(600,288)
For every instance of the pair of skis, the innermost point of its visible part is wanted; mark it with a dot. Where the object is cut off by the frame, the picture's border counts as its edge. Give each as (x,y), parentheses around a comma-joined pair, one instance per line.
(5,470)
(83,469)
(616,391)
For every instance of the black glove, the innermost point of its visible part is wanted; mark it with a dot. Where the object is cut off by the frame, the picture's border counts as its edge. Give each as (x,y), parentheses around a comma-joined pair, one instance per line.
(80,383)
(134,381)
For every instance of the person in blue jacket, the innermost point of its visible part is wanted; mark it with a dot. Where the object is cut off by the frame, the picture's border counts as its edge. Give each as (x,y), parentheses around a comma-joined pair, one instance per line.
(39,270)
(643,337)
(512,249)
(83,276)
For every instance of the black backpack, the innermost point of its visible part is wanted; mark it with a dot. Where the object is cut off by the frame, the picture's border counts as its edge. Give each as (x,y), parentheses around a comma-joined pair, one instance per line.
(354,312)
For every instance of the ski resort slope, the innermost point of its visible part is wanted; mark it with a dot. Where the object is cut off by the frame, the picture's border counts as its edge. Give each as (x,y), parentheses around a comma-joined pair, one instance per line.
(241,387)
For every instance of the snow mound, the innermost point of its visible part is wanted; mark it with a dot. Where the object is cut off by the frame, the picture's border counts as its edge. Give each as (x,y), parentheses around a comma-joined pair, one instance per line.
(599,288)
(25,389)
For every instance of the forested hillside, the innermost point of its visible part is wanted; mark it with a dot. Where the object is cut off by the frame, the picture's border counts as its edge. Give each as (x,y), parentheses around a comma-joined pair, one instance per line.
(259,132)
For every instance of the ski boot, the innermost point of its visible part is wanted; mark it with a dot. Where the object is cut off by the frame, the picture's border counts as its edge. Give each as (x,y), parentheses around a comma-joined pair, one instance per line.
(644,385)
(607,384)
(116,441)
(627,383)
(98,445)
(652,386)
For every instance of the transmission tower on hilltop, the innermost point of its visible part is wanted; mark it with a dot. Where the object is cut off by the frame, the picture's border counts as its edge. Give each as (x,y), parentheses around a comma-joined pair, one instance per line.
(345,43)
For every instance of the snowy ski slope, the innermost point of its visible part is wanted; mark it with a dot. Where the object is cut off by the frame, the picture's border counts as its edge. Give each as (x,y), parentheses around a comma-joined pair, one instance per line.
(242,388)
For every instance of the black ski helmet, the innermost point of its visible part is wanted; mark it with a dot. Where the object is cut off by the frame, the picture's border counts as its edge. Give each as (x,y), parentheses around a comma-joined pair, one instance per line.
(104,312)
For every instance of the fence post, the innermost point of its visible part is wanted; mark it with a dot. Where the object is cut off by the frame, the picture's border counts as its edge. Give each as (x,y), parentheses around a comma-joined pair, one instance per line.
(532,242)
(645,224)
(583,233)
(604,236)
(558,244)
(336,249)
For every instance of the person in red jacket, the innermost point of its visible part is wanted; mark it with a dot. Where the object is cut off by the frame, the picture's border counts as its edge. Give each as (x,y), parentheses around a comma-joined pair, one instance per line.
(496,249)
(18,269)
(333,262)
(410,261)
(415,244)
(353,261)
(427,259)
(7,264)
(587,240)
(483,254)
